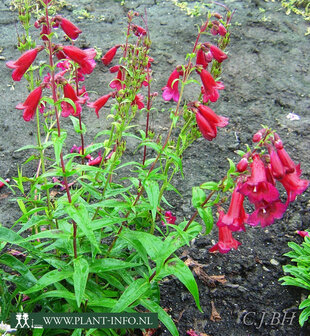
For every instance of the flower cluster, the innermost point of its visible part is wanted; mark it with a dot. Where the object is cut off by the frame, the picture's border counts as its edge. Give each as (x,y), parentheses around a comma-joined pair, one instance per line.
(206,53)
(118,84)
(74,60)
(257,182)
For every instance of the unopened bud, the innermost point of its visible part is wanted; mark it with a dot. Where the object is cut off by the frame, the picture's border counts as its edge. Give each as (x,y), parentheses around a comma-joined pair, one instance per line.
(242,165)
(217,15)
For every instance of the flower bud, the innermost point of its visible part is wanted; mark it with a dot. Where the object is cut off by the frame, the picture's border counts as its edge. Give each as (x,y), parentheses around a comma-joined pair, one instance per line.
(242,165)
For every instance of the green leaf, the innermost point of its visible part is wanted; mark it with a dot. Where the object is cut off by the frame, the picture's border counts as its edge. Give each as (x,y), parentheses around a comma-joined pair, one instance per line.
(9,236)
(178,268)
(76,125)
(232,167)
(162,315)
(206,216)
(305,303)
(198,197)
(27,147)
(81,217)
(55,294)
(77,332)
(132,293)
(303,317)
(152,190)
(152,244)
(209,185)
(58,142)
(48,279)
(53,234)
(80,275)
(18,266)
(37,332)
(109,265)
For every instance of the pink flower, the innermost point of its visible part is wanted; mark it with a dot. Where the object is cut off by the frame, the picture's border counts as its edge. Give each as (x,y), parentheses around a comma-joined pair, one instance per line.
(207,122)
(23,63)
(68,27)
(108,57)
(217,53)
(222,30)
(67,109)
(191,332)
(257,187)
(138,31)
(242,165)
(210,87)
(303,233)
(83,95)
(169,218)
(171,90)
(99,103)
(266,212)
(218,28)
(85,58)
(236,216)
(45,32)
(2,184)
(138,101)
(293,184)
(30,104)
(95,162)
(117,82)
(226,241)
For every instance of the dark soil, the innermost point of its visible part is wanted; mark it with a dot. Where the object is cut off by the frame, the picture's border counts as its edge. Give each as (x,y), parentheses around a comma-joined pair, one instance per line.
(266,77)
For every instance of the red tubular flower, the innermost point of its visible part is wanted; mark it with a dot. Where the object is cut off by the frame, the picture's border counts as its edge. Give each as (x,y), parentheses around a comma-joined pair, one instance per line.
(210,87)
(293,184)
(99,103)
(68,27)
(138,31)
(30,104)
(95,162)
(217,53)
(257,187)
(207,129)
(117,82)
(23,63)
(222,30)
(138,101)
(226,241)
(207,122)
(212,116)
(171,90)
(236,216)
(276,164)
(201,59)
(170,219)
(67,109)
(286,160)
(85,58)
(266,212)
(108,57)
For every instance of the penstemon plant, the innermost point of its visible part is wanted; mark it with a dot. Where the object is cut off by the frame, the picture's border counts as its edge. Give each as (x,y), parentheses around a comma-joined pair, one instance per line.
(92,237)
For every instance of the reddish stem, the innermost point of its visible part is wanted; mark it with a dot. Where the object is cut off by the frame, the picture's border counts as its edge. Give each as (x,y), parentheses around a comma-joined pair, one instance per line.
(55,99)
